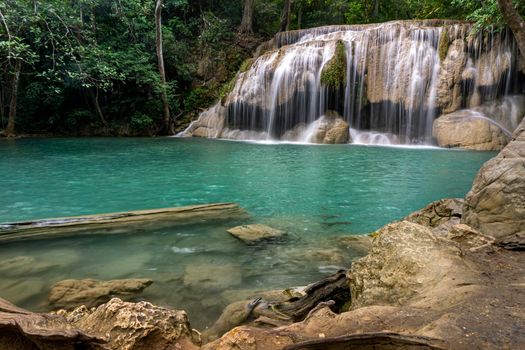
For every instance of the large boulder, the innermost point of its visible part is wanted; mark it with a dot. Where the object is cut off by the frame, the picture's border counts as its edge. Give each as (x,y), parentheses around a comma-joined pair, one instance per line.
(71,293)
(136,326)
(496,203)
(405,260)
(466,129)
(331,129)
(487,127)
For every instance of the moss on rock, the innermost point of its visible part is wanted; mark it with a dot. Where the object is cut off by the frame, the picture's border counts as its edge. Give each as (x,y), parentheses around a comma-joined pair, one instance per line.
(334,72)
(246,65)
(443,45)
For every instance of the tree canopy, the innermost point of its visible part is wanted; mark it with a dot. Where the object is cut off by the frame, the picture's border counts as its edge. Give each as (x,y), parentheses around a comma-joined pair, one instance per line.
(91,66)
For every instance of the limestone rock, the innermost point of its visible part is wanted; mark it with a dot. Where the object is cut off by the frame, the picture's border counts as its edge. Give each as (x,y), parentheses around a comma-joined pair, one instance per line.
(485,127)
(209,124)
(463,129)
(90,292)
(452,67)
(496,203)
(137,326)
(405,259)
(467,236)
(331,129)
(22,330)
(439,215)
(254,233)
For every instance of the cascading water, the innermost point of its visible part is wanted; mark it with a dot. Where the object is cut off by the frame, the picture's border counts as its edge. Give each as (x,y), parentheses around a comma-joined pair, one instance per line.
(396,79)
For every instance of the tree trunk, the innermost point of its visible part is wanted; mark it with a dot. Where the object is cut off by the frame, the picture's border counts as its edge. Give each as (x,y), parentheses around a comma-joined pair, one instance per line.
(247,18)
(285,16)
(98,110)
(167,128)
(10,129)
(516,24)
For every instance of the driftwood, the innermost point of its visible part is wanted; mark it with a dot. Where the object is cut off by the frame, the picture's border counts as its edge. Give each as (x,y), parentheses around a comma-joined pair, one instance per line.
(333,289)
(46,228)
(21,329)
(370,341)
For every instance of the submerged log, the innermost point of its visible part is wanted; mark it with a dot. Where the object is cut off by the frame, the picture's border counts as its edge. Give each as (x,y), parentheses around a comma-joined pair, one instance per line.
(46,228)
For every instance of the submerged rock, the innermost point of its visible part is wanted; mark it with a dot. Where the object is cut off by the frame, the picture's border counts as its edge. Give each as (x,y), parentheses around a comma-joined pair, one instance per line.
(19,290)
(90,292)
(496,203)
(23,266)
(136,326)
(209,276)
(254,233)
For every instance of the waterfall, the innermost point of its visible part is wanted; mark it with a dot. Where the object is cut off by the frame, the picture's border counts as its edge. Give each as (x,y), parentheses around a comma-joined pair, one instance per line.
(398,77)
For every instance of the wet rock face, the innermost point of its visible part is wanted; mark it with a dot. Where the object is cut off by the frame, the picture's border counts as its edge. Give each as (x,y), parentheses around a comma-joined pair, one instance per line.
(496,203)
(487,127)
(90,292)
(331,129)
(209,124)
(417,67)
(461,130)
(136,326)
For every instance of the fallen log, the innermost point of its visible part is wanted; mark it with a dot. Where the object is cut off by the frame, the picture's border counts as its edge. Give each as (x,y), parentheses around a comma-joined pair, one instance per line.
(46,228)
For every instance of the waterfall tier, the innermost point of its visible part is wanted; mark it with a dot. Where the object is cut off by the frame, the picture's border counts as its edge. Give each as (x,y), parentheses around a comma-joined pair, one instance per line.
(388,81)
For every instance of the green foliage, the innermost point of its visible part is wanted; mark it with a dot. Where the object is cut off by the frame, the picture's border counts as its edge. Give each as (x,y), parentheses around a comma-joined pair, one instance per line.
(246,65)
(334,72)
(78,54)
(141,122)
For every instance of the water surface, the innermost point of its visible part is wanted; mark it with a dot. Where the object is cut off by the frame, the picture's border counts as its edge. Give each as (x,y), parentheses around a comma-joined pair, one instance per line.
(315,193)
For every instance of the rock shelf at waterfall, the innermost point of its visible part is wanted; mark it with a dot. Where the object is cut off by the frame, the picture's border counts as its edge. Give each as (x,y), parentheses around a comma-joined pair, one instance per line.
(398,79)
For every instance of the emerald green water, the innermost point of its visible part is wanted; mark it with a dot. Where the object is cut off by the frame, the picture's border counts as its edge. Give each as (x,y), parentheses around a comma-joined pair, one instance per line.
(316,193)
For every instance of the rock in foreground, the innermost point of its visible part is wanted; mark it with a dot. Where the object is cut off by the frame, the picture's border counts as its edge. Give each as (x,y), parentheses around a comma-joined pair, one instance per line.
(496,203)
(428,291)
(90,292)
(22,330)
(137,326)
(251,234)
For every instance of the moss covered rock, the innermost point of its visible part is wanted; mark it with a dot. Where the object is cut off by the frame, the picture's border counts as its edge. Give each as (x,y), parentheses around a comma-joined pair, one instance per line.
(443,44)
(334,72)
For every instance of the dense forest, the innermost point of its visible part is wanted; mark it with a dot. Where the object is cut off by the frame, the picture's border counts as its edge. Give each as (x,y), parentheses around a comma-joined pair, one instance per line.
(147,67)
